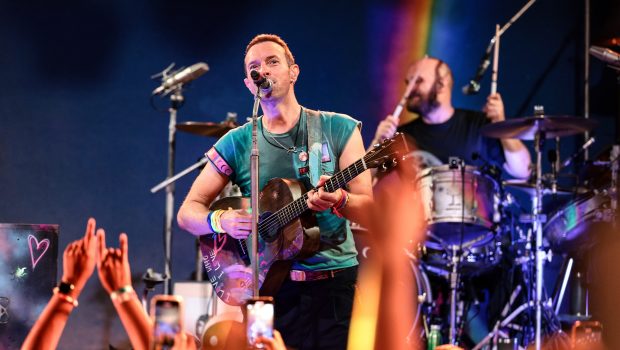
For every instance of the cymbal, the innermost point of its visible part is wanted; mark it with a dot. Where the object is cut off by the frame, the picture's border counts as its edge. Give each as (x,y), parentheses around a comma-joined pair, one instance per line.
(206,128)
(526,128)
(530,188)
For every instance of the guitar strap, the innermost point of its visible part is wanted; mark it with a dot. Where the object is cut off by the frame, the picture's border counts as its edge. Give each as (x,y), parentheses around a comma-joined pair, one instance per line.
(318,165)
(315,145)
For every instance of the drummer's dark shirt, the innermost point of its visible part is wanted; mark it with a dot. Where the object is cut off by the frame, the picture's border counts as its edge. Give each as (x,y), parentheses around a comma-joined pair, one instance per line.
(458,137)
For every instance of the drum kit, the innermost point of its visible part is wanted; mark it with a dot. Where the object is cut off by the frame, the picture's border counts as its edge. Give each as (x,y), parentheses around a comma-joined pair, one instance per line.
(472,229)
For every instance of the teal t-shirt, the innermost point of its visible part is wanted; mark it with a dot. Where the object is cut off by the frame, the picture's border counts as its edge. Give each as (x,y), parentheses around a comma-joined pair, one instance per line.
(233,159)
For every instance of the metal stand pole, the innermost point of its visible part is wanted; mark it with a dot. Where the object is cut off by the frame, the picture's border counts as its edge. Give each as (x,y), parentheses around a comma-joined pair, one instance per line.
(254,177)
(454,283)
(540,254)
(176,100)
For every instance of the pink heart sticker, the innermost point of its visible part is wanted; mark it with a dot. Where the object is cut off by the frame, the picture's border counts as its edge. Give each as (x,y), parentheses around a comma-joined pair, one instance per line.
(37,248)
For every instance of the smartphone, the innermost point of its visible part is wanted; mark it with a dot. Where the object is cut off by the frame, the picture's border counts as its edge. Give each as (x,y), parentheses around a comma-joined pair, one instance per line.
(259,319)
(167,317)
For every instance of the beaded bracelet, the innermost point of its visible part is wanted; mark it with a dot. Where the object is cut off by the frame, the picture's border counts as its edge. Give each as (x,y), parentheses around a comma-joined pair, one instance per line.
(123,294)
(67,298)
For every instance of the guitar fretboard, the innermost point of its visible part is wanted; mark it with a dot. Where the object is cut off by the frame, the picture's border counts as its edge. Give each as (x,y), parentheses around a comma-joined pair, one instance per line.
(297,207)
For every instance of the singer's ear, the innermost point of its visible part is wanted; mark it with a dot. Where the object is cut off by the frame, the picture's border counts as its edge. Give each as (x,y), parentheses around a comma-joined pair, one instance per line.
(293,73)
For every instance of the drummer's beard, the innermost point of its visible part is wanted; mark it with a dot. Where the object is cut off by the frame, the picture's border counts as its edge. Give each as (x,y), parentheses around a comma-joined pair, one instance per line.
(424,104)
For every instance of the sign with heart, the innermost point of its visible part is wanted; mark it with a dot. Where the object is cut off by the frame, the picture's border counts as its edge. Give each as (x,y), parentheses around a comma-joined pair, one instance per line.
(37,249)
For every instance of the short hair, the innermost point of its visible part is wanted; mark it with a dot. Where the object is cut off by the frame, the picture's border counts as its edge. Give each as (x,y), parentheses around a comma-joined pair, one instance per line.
(260,38)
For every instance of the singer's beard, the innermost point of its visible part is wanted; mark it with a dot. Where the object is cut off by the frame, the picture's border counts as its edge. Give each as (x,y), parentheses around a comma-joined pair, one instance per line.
(424,105)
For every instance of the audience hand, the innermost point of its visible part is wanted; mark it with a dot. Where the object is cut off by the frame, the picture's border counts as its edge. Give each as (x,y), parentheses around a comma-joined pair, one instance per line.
(79,259)
(113,263)
(277,343)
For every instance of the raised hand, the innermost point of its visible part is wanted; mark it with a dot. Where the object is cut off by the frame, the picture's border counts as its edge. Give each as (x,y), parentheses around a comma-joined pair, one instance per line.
(494,108)
(386,129)
(113,263)
(275,343)
(79,259)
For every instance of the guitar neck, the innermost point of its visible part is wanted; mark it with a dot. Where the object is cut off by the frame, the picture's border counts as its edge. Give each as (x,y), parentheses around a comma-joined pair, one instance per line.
(297,207)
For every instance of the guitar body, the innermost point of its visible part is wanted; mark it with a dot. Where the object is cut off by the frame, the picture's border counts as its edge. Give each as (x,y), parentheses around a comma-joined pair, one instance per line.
(227,260)
(287,230)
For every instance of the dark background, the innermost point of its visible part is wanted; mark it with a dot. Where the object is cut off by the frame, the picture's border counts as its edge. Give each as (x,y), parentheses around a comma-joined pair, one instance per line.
(78,136)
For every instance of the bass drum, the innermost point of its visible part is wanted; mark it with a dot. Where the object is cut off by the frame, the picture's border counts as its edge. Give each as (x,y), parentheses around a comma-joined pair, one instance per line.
(461,206)
(573,227)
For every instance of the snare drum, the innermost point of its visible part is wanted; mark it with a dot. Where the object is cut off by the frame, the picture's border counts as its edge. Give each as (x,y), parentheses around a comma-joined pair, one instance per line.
(455,204)
(474,260)
(568,228)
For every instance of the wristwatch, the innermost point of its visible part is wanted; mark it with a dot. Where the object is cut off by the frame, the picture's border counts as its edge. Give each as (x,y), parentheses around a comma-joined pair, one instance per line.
(65,288)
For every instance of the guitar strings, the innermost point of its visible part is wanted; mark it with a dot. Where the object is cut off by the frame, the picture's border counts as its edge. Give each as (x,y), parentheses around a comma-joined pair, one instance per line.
(269,223)
(288,210)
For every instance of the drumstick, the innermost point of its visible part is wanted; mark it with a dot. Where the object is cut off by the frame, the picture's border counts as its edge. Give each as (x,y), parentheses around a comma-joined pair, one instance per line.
(399,108)
(495,61)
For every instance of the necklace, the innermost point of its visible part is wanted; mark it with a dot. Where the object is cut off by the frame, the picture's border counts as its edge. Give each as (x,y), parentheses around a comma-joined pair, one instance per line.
(293,148)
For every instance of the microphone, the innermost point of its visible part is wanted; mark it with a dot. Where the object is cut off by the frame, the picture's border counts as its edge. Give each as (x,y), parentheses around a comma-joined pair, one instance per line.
(182,77)
(473,87)
(487,167)
(583,148)
(262,82)
(606,55)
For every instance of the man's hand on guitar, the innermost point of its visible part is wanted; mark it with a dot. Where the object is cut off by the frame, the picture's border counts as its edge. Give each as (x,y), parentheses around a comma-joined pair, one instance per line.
(237,223)
(319,200)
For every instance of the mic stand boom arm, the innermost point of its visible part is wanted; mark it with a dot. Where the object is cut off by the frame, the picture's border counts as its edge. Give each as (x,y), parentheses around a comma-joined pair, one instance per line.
(473,86)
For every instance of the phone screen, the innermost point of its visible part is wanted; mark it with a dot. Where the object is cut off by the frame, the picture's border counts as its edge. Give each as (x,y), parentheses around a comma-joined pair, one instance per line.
(259,320)
(167,320)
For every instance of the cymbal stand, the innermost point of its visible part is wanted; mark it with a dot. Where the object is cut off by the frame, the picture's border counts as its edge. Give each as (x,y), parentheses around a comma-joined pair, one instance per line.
(537,221)
(454,284)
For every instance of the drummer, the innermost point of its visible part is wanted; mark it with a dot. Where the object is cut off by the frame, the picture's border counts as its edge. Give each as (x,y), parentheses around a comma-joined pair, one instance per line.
(445,131)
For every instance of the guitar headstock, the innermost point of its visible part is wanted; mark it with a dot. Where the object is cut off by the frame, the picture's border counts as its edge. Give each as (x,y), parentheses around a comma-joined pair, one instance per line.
(387,154)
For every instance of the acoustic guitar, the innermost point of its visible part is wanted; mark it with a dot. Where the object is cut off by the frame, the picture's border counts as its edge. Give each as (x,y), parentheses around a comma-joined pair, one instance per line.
(287,229)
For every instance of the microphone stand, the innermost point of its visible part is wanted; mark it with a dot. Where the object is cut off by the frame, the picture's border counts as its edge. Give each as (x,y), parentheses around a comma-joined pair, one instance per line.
(473,87)
(176,101)
(254,176)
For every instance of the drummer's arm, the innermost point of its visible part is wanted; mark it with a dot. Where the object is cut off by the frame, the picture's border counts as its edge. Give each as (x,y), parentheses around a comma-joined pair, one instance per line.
(518,159)
(517,155)
(192,215)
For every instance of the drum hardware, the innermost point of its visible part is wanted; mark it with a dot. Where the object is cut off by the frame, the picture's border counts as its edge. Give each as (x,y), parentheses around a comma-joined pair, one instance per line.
(538,128)
(545,126)
(203,129)
(210,129)
(547,188)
